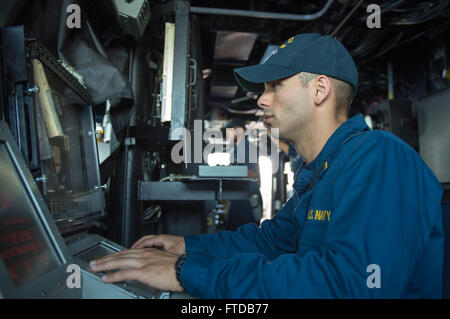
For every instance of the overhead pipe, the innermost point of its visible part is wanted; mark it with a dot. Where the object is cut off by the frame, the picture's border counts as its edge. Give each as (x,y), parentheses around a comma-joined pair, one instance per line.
(263,14)
(346,18)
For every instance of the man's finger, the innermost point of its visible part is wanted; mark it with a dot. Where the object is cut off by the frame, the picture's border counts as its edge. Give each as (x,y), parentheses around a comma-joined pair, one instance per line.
(149,242)
(111,257)
(121,253)
(137,253)
(140,240)
(127,274)
(116,263)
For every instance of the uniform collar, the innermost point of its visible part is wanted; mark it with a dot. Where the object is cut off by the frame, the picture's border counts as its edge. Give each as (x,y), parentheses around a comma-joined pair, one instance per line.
(349,127)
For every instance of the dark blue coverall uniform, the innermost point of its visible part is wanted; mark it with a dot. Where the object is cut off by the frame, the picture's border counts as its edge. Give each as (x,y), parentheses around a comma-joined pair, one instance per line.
(367,199)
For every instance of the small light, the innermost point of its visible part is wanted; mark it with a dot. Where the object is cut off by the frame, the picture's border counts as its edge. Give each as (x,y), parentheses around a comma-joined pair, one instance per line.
(219,158)
(206,73)
(369,121)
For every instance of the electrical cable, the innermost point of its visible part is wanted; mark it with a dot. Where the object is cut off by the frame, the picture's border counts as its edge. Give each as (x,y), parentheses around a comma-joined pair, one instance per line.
(391,45)
(369,44)
(391,6)
(418,35)
(333,33)
(252,111)
(431,14)
(386,8)
(435,31)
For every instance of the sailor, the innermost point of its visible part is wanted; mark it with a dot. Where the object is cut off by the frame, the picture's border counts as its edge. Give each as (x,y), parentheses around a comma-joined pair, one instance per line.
(365,218)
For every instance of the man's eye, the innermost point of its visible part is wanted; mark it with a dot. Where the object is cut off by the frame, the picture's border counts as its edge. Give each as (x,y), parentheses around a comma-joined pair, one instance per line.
(273,85)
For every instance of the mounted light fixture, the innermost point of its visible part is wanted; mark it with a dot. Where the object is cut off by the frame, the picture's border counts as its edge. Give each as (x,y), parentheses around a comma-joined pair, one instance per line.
(167,77)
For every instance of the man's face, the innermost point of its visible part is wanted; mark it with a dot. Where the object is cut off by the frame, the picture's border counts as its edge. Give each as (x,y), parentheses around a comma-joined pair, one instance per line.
(286,106)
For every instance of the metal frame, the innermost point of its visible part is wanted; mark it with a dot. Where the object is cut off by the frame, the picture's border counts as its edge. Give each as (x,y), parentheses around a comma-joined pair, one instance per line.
(19,109)
(37,50)
(181,68)
(21,48)
(197,189)
(264,14)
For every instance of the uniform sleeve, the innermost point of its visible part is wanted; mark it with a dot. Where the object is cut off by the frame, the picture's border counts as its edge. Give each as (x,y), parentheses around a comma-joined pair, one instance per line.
(272,238)
(386,205)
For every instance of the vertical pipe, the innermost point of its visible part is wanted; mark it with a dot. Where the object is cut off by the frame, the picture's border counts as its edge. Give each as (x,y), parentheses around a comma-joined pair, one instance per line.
(390,72)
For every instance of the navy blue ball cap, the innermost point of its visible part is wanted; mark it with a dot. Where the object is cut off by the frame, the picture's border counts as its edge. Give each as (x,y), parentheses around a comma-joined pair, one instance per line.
(306,52)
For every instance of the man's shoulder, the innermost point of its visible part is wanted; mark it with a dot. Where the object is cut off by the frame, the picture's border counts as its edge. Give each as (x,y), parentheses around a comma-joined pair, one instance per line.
(382,149)
(380,139)
(376,143)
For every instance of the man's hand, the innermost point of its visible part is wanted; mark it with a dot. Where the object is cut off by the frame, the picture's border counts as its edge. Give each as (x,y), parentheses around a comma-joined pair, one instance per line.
(150,266)
(170,243)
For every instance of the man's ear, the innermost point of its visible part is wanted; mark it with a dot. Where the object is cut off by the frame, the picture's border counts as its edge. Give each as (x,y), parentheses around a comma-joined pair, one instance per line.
(322,88)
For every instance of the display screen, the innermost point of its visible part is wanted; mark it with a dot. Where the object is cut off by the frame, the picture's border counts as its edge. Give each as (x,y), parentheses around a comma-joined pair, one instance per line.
(25,247)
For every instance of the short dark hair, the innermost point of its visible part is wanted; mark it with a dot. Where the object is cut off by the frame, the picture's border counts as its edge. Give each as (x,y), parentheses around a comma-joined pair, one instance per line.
(343,91)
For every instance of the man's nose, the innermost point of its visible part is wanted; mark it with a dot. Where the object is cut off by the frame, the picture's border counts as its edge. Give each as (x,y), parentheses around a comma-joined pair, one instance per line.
(263,100)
